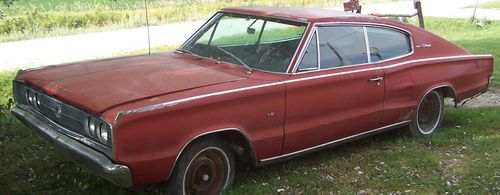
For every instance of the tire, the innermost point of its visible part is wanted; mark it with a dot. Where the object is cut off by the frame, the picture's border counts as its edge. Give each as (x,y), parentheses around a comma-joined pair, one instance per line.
(429,114)
(205,167)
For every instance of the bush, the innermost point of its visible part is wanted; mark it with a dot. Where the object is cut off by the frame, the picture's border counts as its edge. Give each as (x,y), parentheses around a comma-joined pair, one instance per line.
(6,101)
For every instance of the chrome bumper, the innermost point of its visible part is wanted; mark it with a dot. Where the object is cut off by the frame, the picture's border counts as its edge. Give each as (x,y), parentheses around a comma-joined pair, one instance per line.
(77,152)
(489,83)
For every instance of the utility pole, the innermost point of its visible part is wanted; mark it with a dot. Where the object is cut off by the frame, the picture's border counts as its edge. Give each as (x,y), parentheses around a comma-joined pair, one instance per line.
(418,6)
(474,14)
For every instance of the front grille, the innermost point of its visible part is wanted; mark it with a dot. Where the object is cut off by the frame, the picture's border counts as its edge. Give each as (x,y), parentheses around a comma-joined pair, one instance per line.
(59,112)
(69,117)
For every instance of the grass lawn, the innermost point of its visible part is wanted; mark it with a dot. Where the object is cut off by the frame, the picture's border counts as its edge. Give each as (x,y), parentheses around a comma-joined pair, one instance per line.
(462,157)
(490,5)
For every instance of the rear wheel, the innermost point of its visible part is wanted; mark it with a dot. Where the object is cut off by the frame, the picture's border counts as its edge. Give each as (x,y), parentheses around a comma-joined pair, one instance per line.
(205,167)
(429,114)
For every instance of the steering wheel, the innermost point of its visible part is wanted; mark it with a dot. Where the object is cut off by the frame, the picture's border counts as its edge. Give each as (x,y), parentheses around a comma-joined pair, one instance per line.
(273,54)
(342,62)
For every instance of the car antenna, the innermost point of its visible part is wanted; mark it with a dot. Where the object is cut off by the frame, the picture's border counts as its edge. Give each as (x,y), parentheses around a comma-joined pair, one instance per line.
(147,26)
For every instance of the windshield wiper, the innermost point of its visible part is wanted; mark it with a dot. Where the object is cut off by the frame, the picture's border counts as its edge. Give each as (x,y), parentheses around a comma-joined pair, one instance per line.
(189,52)
(250,70)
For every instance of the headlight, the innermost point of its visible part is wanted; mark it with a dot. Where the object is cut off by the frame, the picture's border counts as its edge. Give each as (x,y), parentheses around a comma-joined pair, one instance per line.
(104,133)
(37,98)
(29,96)
(33,98)
(91,126)
(98,130)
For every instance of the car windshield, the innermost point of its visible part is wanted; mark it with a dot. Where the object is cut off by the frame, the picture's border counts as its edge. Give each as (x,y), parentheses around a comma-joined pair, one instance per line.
(252,41)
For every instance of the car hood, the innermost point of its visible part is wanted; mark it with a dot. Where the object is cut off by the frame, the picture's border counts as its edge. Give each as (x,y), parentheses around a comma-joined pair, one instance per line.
(100,85)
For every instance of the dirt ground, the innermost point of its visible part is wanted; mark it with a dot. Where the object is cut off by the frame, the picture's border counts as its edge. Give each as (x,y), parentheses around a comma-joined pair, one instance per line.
(490,98)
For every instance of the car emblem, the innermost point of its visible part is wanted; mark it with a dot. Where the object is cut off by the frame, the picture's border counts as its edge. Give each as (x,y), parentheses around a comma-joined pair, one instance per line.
(58,111)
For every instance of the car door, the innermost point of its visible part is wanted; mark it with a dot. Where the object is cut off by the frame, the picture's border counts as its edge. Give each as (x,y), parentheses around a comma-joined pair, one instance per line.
(335,92)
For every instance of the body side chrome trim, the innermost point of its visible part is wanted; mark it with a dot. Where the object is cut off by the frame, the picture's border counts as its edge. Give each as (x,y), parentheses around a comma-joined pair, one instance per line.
(172,103)
(211,132)
(384,67)
(331,143)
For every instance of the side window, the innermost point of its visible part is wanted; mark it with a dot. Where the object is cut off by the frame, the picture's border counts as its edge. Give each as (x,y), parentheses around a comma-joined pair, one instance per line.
(386,44)
(310,59)
(342,46)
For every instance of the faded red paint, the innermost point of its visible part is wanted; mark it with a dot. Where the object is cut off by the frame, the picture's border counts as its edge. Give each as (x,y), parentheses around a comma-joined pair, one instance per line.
(306,113)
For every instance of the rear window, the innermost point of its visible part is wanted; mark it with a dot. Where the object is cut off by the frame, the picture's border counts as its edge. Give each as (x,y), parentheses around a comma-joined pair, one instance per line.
(387,43)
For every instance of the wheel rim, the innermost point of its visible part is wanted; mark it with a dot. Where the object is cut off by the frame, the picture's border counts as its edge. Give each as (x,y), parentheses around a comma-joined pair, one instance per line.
(429,112)
(206,173)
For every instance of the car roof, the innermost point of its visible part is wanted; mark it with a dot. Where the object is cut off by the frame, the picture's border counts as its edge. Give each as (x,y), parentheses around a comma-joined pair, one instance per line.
(300,14)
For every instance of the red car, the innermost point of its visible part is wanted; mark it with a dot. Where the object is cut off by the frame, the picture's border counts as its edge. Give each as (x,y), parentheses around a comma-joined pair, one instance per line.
(255,85)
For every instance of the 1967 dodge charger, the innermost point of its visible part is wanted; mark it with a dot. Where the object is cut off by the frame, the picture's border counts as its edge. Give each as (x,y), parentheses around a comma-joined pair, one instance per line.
(253,84)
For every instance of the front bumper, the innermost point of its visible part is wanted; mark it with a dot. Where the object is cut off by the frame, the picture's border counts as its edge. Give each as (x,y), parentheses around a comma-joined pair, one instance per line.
(77,152)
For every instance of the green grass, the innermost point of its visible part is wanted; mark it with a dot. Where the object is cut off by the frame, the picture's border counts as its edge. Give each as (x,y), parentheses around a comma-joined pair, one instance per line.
(158,49)
(490,5)
(42,18)
(461,157)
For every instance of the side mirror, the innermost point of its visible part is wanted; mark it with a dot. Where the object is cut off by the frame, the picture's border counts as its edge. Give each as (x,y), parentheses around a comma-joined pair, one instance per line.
(250,31)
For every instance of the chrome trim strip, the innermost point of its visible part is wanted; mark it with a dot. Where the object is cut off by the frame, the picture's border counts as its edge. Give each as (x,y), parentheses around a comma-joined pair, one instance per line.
(335,141)
(302,39)
(364,24)
(304,49)
(367,44)
(301,54)
(384,67)
(172,103)
(210,132)
(318,51)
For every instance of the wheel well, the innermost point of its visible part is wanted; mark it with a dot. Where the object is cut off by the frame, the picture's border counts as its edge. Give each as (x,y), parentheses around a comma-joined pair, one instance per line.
(237,141)
(447,92)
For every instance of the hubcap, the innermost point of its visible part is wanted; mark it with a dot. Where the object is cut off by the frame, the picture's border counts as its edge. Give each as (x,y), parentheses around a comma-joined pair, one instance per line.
(206,173)
(429,112)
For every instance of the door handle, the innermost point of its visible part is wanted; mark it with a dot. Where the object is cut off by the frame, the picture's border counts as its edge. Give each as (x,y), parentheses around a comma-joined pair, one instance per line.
(377,79)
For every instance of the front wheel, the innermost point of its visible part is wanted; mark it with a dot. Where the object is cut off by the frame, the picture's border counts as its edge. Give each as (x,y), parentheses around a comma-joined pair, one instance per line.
(429,114)
(205,167)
